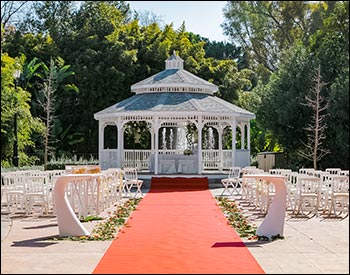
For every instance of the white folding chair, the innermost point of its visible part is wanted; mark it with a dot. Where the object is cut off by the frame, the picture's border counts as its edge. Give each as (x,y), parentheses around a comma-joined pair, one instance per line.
(115,184)
(340,195)
(308,197)
(131,180)
(292,189)
(13,191)
(232,182)
(36,193)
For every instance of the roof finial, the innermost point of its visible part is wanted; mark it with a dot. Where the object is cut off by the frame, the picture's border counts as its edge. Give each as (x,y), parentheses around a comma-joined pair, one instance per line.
(174,62)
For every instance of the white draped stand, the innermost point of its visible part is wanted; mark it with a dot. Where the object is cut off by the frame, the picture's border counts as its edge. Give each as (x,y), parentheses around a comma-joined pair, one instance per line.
(273,224)
(68,222)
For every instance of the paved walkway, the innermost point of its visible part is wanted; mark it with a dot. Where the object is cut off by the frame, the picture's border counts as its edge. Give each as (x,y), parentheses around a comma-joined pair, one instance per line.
(310,246)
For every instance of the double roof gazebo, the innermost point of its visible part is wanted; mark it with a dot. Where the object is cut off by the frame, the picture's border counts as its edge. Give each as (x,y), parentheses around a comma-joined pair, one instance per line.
(187,125)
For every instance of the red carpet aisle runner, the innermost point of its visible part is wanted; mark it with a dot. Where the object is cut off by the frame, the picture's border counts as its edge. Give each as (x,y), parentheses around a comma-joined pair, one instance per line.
(178,228)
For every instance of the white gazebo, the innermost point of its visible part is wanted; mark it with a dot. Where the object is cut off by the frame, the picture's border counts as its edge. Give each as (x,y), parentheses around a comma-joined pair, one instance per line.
(168,103)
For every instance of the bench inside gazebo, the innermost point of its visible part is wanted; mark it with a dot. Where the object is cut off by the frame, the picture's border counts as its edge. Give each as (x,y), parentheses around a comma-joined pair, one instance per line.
(177,126)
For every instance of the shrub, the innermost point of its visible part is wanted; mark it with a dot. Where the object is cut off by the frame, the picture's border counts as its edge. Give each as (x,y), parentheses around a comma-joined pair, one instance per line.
(61,162)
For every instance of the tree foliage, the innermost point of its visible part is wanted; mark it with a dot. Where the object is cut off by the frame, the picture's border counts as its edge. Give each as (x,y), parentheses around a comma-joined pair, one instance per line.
(283,109)
(267,28)
(15,99)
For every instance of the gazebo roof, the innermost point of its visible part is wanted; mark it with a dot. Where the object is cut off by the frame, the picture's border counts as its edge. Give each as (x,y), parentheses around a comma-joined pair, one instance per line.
(174,78)
(174,90)
(175,102)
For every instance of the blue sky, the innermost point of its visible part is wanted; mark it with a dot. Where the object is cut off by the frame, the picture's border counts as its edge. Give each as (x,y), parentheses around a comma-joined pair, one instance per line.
(201,17)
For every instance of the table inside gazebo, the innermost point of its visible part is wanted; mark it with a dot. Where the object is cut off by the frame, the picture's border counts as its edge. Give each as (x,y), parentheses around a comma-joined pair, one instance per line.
(175,164)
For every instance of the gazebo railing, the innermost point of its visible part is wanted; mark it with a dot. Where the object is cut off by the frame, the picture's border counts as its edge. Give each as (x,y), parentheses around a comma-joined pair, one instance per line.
(214,160)
(211,160)
(136,158)
(226,159)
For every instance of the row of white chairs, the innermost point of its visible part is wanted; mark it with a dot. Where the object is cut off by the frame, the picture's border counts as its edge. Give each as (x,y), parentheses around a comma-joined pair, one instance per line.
(30,191)
(308,191)
(22,190)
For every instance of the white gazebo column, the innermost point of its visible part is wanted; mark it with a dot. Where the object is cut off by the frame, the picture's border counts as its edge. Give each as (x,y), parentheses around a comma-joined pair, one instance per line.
(220,132)
(156,144)
(242,135)
(233,126)
(248,136)
(152,140)
(120,144)
(199,129)
(101,131)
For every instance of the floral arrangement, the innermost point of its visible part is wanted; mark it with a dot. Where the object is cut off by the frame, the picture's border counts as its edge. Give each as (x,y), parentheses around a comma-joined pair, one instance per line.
(109,228)
(236,219)
(187,152)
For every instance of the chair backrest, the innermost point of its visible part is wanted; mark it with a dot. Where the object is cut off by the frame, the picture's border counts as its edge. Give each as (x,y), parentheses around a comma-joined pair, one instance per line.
(344,172)
(286,172)
(13,181)
(308,184)
(251,170)
(35,184)
(333,171)
(307,171)
(292,178)
(340,184)
(116,171)
(130,173)
(280,171)
(234,172)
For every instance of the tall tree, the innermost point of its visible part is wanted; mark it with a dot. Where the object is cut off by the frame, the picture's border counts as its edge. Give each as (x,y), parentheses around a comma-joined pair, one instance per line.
(281,108)
(330,46)
(53,77)
(314,150)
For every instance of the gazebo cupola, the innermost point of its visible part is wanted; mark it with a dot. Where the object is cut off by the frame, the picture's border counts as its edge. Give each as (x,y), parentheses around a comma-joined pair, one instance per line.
(170,101)
(174,79)
(174,62)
